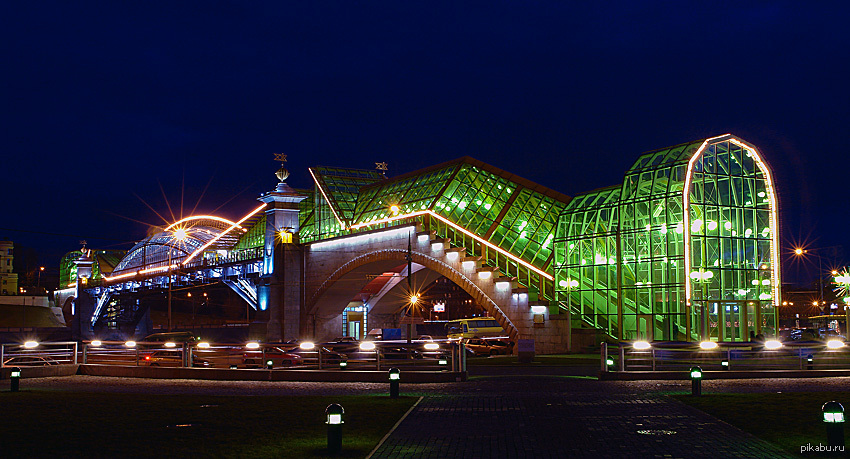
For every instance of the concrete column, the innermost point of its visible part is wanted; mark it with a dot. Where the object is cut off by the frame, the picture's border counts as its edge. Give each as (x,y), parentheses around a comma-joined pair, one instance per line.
(84,302)
(282,267)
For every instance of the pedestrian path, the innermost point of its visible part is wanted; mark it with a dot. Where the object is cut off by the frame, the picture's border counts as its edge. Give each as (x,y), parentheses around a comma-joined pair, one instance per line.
(561,424)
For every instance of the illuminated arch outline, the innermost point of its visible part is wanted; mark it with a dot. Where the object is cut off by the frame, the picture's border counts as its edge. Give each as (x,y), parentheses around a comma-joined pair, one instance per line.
(204,217)
(428,262)
(774,233)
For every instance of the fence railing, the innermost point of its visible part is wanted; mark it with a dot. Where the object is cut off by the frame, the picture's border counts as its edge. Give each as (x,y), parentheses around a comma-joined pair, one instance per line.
(31,354)
(438,356)
(745,356)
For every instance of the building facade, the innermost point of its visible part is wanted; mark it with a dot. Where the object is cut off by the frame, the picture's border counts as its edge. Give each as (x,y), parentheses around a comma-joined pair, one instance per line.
(8,279)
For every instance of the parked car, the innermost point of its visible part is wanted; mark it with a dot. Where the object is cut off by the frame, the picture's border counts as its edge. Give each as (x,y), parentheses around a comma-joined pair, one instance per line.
(344,345)
(399,352)
(278,356)
(481,346)
(808,334)
(171,359)
(29,361)
(328,355)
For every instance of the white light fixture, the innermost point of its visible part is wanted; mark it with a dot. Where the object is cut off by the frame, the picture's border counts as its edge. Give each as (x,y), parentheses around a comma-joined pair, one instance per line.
(772,344)
(432,346)
(641,345)
(307,345)
(538,309)
(367,346)
(706,345)
(30,344)
(834,344)
(253,345)
(96,343)
(130,344)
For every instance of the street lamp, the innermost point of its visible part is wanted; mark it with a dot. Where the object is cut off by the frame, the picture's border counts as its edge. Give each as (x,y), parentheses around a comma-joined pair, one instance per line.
(178,235)
(801,252)
(38,284)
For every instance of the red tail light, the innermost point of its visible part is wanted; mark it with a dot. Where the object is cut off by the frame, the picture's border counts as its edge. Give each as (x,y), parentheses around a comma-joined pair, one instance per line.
(147,357)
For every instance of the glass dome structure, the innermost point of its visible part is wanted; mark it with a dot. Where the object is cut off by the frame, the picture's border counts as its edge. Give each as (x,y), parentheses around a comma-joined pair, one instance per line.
(684,249)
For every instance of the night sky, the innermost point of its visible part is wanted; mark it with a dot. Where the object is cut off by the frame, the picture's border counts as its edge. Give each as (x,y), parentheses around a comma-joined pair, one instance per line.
(111,105)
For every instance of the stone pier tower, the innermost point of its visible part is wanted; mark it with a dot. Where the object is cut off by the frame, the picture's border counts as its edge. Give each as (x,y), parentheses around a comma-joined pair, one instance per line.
(279,292)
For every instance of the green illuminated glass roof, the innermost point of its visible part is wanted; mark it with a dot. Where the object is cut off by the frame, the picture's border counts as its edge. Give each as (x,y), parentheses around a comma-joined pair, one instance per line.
(342,186)
(681,153)
(513,213)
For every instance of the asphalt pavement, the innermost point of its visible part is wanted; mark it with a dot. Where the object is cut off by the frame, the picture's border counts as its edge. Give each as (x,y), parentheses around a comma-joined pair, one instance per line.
(515,411)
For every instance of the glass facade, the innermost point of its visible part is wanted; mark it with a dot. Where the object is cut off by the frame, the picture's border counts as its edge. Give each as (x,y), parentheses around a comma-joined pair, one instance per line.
(515,218)
(650,260)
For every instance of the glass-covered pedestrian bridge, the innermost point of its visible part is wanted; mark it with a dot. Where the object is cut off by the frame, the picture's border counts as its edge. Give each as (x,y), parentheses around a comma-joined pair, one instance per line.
(684,249)
(642,259)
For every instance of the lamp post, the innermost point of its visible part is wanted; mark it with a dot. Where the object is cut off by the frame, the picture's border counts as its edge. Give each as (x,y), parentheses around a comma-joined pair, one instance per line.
(833,417)
(334,413)
(394,376)
(696,381)
(801,252)
(179,236)
(38,284)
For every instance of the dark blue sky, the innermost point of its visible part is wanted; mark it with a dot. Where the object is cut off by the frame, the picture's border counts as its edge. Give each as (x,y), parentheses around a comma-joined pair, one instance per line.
(105,101)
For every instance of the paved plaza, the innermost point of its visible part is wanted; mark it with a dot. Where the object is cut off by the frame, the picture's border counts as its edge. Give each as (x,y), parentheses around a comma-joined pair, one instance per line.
(522,415)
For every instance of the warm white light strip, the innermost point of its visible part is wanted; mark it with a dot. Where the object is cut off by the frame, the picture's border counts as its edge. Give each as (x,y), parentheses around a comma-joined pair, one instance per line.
(157,269)
(390,219)
(774,225)
(220,235)
(120,276)
(462,230)
(202,217)
(341,224)
(774,251)
(687,215)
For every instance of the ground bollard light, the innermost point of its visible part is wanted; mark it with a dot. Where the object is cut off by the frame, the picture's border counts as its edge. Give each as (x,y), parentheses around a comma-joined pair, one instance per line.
(394,376)
(609,362)
(270,364)
(725,364)
(443,361)
(15,379)
(833,417)
(696,381)
(334,414)
(343,364)
(810,360)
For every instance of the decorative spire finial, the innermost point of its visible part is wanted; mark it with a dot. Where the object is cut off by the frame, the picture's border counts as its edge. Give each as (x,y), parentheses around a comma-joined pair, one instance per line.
(281,173)
(382,167)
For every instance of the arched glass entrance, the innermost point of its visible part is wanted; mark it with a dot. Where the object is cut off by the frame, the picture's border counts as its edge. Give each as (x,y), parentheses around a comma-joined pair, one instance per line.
(730,225)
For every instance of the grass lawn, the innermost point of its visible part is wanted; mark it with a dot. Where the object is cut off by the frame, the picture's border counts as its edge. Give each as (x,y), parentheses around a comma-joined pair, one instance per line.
(65,424)
(554,359)
(787,420)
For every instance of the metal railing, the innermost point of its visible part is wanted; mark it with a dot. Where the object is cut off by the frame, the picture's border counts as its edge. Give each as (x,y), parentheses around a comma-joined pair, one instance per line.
(412,357)
(40,354)
(743,356)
